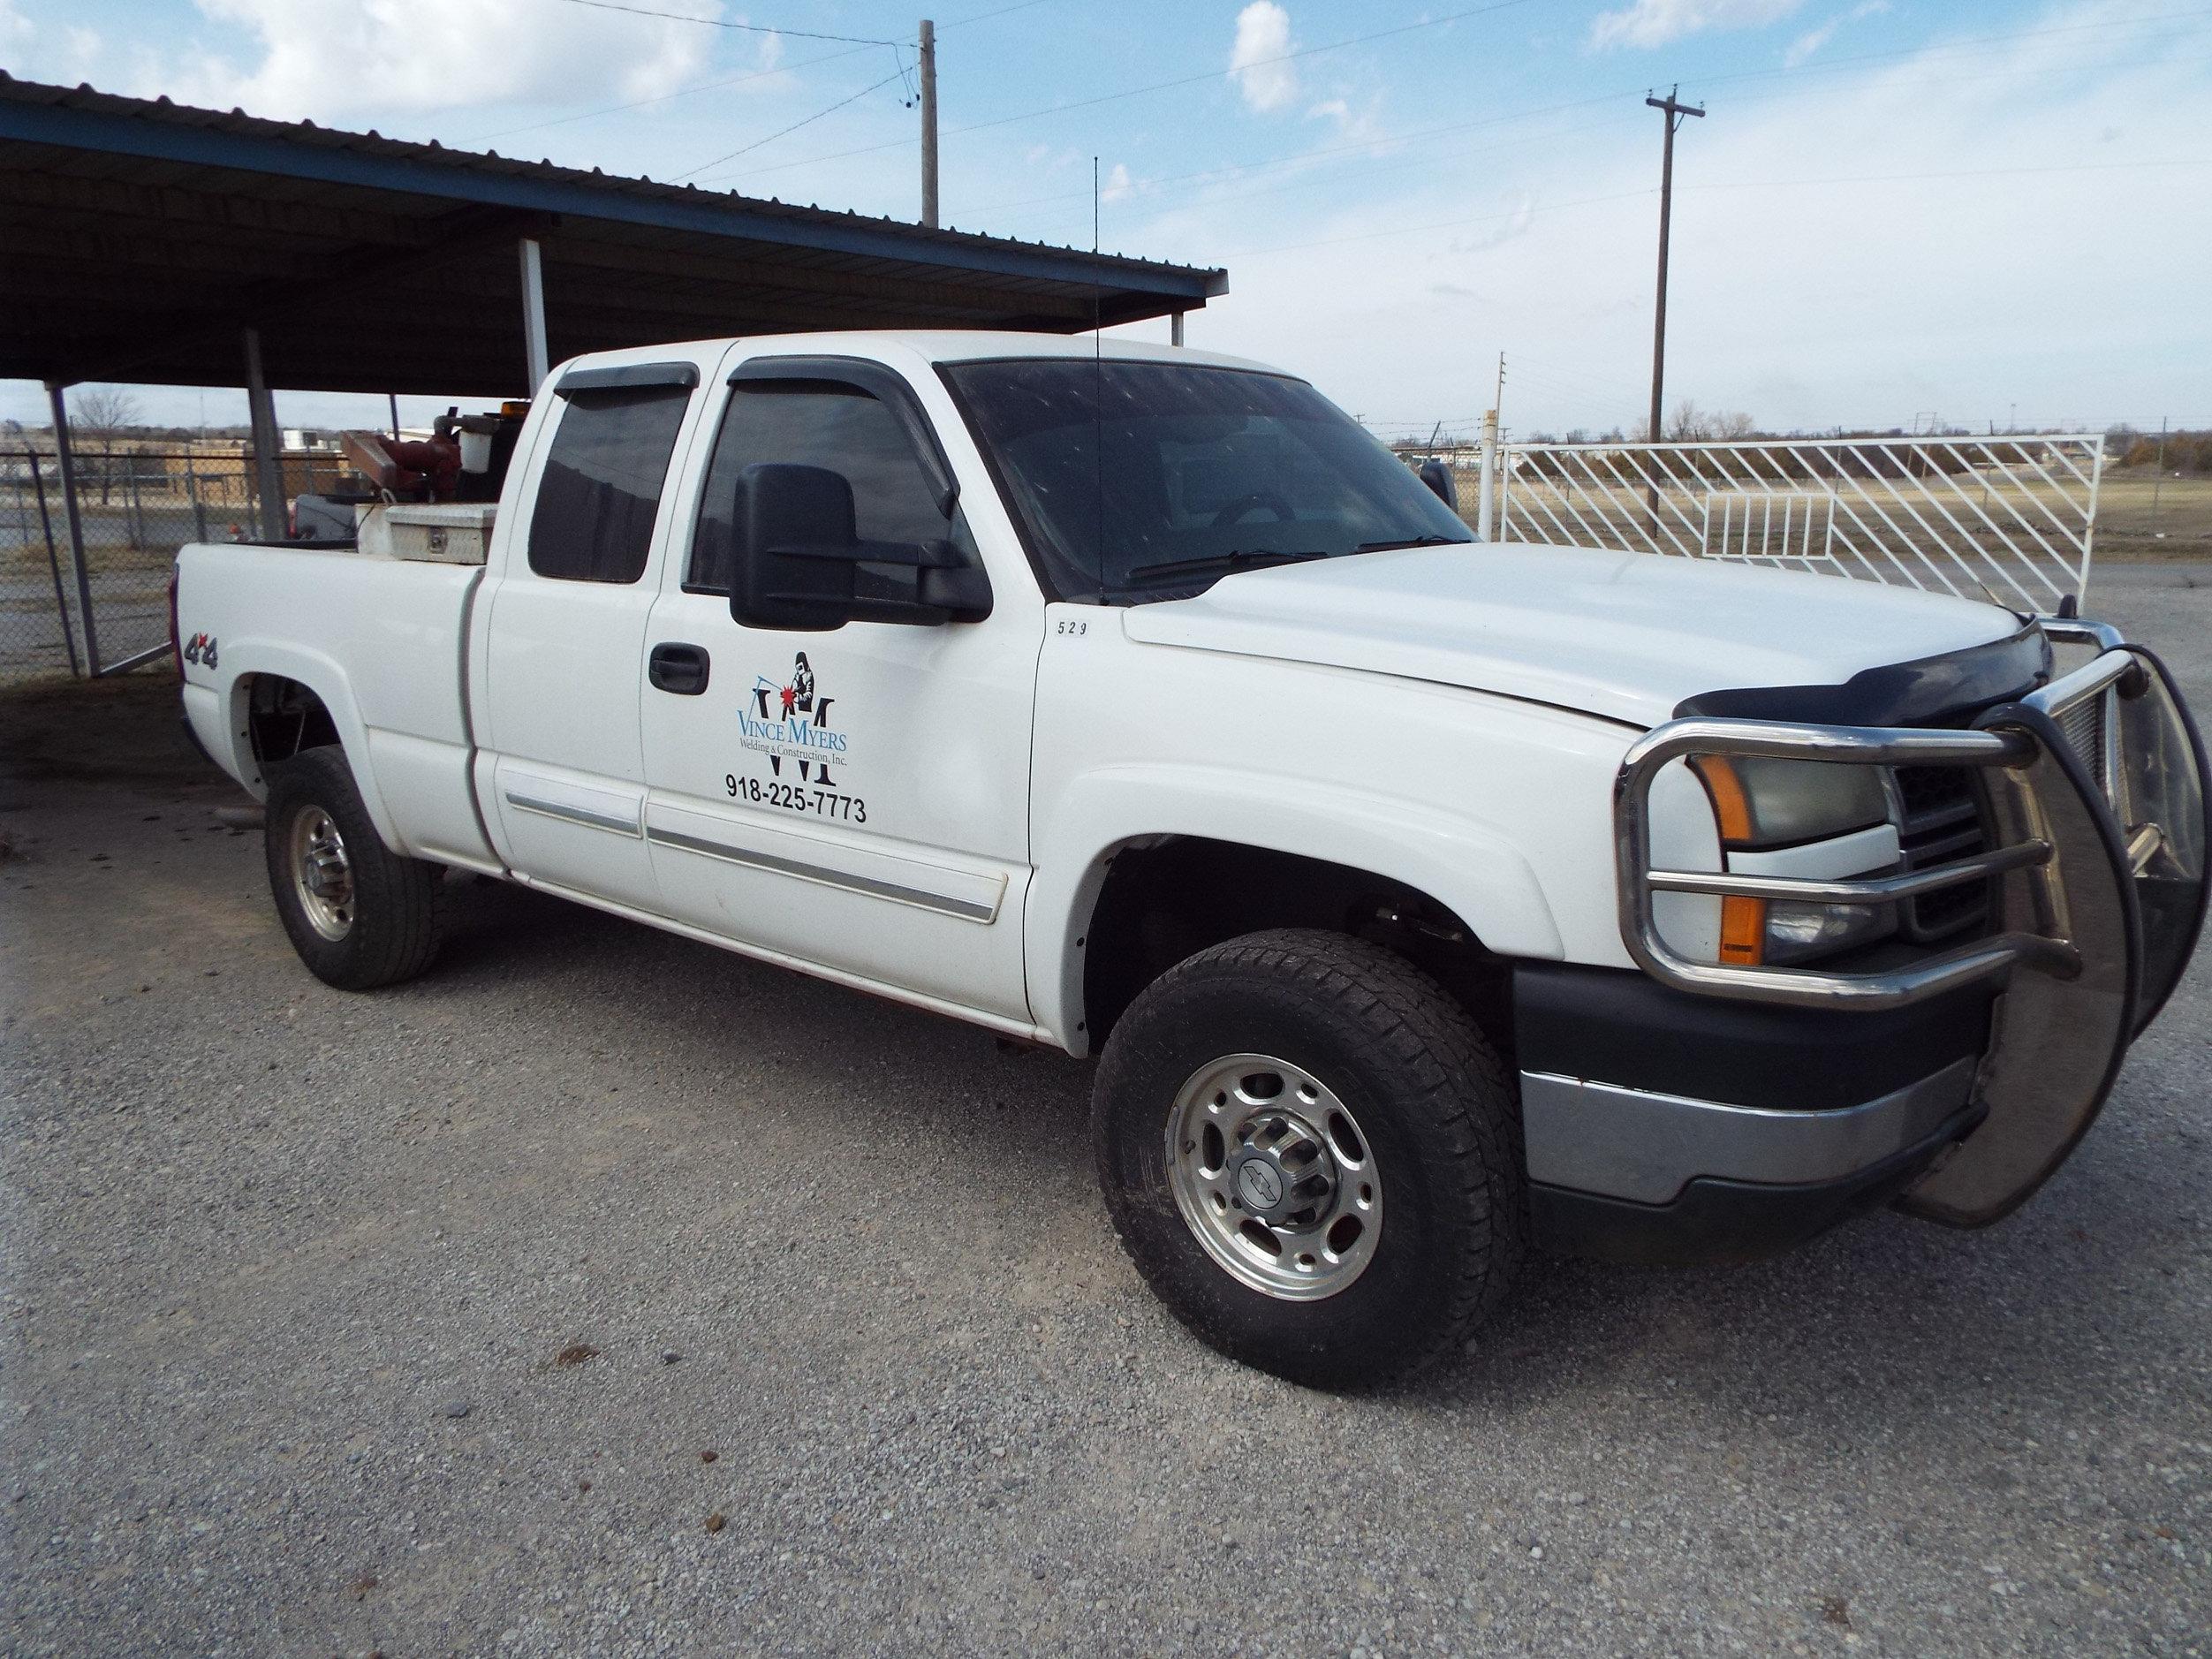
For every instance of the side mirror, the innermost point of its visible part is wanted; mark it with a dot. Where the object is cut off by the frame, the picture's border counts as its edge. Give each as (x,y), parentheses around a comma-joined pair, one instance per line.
(1441,479)
(799,560)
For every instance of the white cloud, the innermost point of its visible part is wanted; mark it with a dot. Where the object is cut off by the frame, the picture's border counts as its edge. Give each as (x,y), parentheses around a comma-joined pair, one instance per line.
(64,53)
(417,56)
(1648,23)
(1953,296)
(1358,125)
(1117,185)
(1263,39)
(1813,39)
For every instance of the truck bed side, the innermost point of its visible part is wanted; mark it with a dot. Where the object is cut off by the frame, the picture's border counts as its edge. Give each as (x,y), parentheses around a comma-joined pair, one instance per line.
(380,642)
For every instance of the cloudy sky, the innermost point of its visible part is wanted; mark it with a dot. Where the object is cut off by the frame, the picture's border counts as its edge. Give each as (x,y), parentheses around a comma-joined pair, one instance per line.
(1988,211)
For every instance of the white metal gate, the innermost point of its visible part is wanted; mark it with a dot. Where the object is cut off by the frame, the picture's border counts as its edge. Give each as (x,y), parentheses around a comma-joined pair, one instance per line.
(2012,519)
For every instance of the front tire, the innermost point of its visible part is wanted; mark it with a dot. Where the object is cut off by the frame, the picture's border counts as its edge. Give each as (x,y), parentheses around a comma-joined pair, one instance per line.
(359,914)
(1309,1152)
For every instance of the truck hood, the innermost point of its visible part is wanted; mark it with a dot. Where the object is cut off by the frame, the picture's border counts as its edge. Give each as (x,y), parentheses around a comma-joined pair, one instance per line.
(1627,636)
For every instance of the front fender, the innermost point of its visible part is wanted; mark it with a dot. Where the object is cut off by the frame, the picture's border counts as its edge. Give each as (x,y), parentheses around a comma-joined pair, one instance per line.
(1468,868)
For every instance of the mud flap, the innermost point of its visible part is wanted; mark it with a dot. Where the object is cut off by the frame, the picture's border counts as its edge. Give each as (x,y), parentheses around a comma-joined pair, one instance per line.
(2130,900)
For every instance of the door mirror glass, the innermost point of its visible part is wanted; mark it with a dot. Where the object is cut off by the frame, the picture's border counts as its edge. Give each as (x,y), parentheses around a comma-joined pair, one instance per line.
(1438,476)
(802,564)
(827,502)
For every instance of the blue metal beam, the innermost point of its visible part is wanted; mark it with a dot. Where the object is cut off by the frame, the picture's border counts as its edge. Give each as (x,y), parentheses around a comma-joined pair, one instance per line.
(556,190)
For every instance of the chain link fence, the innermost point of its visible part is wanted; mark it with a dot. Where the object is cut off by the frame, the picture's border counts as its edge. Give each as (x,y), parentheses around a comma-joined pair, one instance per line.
(134,508)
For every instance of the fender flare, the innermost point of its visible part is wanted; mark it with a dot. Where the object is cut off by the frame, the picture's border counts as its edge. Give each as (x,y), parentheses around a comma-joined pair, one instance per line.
(242,661)
(1469,867)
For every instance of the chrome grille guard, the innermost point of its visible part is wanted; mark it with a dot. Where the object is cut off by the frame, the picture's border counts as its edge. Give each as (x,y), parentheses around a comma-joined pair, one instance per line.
(2095,785)
(2023,750)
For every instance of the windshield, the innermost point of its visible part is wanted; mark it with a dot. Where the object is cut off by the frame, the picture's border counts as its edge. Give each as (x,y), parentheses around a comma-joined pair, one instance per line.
(1140,480)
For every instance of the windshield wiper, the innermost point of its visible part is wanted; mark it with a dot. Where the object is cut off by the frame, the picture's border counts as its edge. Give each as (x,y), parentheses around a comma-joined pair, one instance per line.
(1415,541)
(1239,559)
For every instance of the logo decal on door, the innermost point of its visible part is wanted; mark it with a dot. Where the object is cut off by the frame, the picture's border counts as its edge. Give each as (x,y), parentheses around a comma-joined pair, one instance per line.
(790,721)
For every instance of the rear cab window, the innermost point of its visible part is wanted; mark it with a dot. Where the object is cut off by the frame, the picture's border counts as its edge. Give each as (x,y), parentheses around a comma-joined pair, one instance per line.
(604,475)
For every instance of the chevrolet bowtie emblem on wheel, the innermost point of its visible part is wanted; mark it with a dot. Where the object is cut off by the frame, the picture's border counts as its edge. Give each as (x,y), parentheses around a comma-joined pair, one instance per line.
(1261,1187)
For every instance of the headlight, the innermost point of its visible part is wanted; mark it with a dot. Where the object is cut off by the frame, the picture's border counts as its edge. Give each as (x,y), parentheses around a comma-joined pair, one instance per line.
(1768,803)
(1765,806)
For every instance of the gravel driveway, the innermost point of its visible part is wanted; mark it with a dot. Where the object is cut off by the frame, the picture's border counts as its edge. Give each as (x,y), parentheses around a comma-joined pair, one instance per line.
(602,1292)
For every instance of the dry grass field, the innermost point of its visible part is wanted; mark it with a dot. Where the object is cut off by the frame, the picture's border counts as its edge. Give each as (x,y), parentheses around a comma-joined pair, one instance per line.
(2131,527)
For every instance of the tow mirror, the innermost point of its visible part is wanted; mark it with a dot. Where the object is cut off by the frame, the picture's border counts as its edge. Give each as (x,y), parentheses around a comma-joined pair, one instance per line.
(801,563)
(1441,479)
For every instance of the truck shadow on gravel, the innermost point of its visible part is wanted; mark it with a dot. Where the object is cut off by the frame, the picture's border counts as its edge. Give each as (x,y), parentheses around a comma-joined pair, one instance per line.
(1886,1316)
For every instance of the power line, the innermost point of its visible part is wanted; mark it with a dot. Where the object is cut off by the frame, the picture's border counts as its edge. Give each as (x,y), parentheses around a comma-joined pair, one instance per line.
(1761,183)
(1441,225)
(1164,85)
(1398,140)
(681,92)
(981,17)
(1975,172)
(897,74)
(723,23)
(1425,159)
(735,80)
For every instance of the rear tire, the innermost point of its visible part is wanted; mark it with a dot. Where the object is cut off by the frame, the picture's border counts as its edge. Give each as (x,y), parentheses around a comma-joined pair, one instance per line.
(359,914)
(1311,1156)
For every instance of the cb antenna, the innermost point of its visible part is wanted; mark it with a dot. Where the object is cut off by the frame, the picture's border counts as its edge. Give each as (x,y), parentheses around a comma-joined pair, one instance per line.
(1098,405)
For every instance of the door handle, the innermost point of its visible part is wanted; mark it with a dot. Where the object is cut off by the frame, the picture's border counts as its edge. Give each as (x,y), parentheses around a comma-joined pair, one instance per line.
(681,669)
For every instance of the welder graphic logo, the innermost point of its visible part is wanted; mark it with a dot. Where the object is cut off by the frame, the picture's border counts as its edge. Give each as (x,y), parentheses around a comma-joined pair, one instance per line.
(790,721)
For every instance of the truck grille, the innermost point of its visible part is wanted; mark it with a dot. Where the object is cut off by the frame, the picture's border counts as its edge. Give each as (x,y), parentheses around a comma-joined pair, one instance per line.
(2082,724)
(1942,820)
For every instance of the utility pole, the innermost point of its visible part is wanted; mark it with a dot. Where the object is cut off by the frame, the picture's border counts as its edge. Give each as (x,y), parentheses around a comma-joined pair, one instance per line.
(1675,112)
(929,124)
(2158,473)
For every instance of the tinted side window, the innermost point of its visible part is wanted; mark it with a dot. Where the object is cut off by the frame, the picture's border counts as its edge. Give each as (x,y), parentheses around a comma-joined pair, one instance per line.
(601,485)
(814,423)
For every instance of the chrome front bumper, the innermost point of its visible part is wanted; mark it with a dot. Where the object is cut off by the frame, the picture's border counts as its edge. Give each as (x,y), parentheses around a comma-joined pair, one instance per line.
(1645,1147)
(2096,787)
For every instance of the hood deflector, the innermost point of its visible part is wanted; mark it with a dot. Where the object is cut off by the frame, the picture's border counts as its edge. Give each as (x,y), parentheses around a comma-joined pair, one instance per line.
(1944,690)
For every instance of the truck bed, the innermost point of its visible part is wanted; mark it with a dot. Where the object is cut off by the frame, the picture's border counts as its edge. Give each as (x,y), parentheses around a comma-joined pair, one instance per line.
(385,641)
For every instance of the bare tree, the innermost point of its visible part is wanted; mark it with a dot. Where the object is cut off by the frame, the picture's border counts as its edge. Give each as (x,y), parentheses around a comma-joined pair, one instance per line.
(103,411)
(100,416)
(1731,425)
(1686,424)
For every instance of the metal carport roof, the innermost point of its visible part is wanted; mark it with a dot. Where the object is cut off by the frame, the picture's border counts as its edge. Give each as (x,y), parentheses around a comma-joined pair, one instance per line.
(140,239)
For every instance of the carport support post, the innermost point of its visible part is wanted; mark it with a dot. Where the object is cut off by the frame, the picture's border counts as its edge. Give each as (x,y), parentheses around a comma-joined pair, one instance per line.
(260,408)
(53,563)
(1174,330)
(1486,510)
(68,460)
(534,314)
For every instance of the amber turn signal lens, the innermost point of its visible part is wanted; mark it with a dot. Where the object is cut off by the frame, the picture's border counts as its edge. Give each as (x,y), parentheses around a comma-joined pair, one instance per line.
(1730,806)
(1743,921)
(1744,931)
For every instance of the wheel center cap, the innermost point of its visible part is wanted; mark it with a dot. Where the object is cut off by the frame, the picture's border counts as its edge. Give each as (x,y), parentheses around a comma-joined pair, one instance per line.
(1259,1185)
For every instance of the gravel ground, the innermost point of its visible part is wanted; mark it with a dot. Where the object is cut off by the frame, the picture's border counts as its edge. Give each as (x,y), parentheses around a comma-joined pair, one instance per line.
(605,1294)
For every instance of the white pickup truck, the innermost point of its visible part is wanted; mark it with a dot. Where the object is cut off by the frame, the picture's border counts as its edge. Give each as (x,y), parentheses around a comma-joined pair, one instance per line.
(1426,900)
